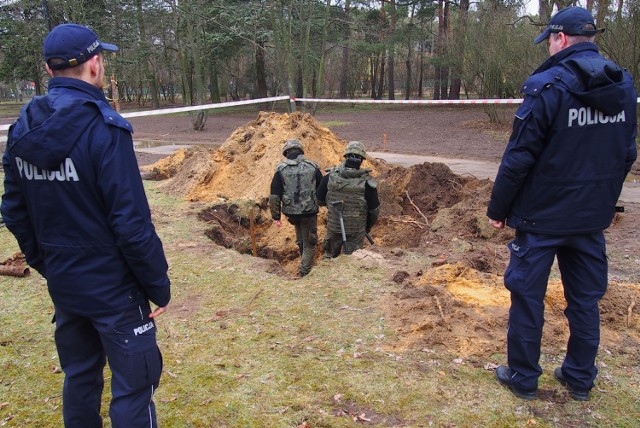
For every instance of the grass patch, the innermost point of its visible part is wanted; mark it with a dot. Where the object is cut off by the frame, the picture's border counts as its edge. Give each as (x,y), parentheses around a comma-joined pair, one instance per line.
(245,348)
(335,123)
(10,109)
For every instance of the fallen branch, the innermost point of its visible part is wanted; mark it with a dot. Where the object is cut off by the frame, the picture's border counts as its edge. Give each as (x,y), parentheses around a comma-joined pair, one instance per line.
(411,222)
(215,218)
(440,308)
(255,296)
(416,207)
(630,312)
(456,186)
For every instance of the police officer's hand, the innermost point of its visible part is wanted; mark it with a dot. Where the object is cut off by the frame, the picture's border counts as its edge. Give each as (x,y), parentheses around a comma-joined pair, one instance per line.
(158,311)
(497,224)
(277,223)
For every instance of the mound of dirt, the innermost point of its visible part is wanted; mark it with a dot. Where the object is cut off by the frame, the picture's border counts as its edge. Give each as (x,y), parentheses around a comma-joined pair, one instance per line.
(166,167)
(243,166)
(426,206)
(459,305)
(463,311)
(429,207)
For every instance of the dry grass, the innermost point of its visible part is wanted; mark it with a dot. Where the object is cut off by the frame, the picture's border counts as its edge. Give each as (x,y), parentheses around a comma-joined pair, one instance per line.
(246,348)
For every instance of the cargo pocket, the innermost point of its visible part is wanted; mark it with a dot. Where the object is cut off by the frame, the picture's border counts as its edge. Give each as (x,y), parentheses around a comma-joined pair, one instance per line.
(141,359)
(518,265)
(313,235)
(286,201)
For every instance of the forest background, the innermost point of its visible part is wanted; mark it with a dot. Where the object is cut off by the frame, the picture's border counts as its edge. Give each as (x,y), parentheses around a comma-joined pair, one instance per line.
(193,52)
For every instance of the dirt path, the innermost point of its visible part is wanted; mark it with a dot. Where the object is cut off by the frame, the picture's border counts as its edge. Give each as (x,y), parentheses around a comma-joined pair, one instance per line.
(461,132)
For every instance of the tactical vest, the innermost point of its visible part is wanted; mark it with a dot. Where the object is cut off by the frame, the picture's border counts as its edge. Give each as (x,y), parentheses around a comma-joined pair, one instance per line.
(299,186)
(347,185)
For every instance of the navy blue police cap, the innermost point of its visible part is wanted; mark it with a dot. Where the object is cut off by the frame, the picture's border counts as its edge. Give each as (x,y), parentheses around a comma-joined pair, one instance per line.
(571,21)
(74,44)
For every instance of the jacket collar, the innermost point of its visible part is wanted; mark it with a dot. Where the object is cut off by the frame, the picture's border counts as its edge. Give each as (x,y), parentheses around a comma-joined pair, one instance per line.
(564,54)
(77,84)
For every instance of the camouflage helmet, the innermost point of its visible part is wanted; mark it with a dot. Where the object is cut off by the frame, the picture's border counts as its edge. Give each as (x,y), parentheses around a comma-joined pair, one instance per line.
(355,148)
(291,144)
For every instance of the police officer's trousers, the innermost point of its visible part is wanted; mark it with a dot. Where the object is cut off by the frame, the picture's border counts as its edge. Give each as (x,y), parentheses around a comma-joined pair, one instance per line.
(128,341)
(582,262)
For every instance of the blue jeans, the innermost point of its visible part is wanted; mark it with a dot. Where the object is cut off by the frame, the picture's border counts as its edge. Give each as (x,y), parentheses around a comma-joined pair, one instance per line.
(582,262)
(128,341)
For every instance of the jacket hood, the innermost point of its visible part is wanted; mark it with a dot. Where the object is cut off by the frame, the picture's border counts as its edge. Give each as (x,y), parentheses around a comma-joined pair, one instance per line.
(49,127)
(602,84)
(599,83)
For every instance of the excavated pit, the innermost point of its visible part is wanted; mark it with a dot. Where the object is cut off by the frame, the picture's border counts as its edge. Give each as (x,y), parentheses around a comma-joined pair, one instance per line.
(457,302)
(420,205)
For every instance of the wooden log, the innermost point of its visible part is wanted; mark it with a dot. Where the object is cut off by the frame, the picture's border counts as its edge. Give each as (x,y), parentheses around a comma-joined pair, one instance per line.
(12,270)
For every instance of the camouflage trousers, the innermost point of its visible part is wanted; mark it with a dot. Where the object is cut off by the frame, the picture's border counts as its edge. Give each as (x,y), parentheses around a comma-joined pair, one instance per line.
(307,239)
(333,244)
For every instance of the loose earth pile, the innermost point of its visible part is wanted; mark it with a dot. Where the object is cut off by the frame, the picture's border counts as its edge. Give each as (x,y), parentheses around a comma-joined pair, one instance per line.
(457,302)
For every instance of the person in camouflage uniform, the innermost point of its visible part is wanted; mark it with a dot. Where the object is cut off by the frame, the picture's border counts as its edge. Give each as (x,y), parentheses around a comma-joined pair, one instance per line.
(352,191)
(293,193)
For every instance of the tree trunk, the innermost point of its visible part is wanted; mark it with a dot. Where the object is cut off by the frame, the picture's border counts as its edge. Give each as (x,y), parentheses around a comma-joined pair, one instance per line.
(318,88)
(344,67)
(544,11)
(144,49)
(421,72)
(444,71)
(392,30)
(282,41)
(299,83)
(198,86)
(438,43)
(601,15)
(36,80)
(261,83)
(373,64)
(213,82)
(456,82)
(381,77)
(421,68)
(182,21)
(409,55)
(303,66)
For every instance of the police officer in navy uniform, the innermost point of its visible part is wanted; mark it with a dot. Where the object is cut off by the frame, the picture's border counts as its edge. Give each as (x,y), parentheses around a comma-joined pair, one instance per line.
(293,192)
(74,200)
(573,142)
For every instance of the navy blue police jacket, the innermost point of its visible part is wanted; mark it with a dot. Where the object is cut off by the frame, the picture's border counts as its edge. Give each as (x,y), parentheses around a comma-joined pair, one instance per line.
(573,143)
(75,202)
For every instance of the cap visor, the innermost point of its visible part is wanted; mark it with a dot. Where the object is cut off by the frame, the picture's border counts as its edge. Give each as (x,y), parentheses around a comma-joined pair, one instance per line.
(108,47)
(542,36)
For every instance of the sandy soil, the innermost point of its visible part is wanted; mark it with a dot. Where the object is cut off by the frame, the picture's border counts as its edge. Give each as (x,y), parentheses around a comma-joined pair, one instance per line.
(457,300)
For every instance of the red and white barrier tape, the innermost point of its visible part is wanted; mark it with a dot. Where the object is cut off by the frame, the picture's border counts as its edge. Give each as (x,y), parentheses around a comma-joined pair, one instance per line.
(426,102)
(314,100)
(203,107)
